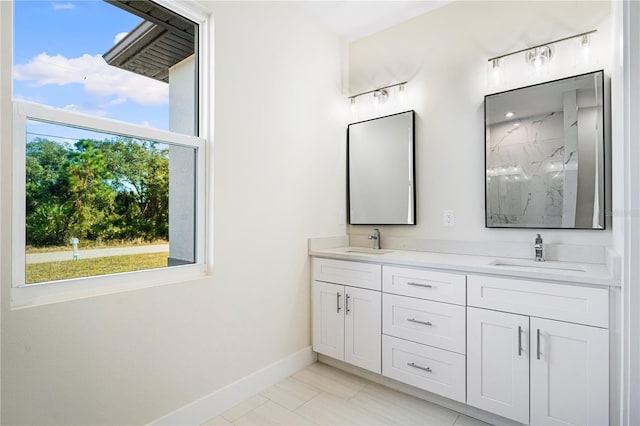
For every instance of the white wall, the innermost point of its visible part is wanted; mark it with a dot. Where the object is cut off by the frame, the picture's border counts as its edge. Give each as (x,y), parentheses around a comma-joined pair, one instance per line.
(443,56)
(182,104)
(132,357)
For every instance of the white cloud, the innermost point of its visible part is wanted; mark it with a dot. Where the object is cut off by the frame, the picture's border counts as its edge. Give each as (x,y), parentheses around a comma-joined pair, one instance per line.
(97,77)
(119,37)
(62,6)
(83,110)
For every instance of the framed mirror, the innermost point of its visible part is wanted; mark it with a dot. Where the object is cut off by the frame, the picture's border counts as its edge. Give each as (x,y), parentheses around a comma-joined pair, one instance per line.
(544,155)
(381,171)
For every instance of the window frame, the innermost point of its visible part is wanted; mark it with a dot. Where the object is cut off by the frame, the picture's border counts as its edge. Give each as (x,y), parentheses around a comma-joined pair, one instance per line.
(26,295)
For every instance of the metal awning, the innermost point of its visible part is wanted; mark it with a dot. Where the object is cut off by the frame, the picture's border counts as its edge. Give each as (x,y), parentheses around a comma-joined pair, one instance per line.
(159,42)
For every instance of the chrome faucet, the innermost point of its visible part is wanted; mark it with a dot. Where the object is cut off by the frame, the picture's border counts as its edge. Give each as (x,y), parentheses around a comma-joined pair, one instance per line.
(538,247)
(376,238)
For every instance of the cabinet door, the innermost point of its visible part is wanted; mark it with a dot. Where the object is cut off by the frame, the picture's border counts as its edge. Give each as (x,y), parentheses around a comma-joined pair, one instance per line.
(569,374)
(363,323)
(498,363)
(328,319)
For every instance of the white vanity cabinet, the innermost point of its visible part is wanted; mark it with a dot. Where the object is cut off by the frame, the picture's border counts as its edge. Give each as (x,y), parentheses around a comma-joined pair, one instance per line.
(346,318)
(538,371)
(536,352)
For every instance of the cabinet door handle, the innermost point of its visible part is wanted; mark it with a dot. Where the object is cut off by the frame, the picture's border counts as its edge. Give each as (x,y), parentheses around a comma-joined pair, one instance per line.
(519,340)
(338,302)
(420,285)
(346,304)
(419,367)
(419,322)
(538,344)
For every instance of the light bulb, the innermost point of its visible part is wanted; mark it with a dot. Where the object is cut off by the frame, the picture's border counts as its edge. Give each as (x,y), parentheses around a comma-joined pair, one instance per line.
(586,46)
(380,96)
(401,92)
(538,56)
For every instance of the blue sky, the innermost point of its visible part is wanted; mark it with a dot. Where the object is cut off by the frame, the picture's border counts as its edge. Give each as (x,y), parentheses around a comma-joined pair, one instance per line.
(57,61)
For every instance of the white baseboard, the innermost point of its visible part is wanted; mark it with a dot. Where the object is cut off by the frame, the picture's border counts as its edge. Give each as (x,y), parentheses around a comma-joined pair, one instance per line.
(214,404)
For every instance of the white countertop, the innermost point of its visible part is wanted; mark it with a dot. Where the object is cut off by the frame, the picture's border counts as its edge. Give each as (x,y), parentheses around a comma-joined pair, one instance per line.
(593,274)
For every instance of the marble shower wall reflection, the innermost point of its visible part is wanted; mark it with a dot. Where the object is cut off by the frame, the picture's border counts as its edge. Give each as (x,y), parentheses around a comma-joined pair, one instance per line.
(544,164)
(525,171)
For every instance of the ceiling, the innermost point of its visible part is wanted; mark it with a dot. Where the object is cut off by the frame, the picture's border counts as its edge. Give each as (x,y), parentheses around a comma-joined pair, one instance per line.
(164,39)
(354,19)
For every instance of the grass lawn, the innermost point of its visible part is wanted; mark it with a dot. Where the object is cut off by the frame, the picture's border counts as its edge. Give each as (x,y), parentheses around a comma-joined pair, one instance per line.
(52,271)
(86,244)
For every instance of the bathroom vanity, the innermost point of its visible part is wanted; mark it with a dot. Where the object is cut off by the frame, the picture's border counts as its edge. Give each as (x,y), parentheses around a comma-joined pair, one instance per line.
(528,341)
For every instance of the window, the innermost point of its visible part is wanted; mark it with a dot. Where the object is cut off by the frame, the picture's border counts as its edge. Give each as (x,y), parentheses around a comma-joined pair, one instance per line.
(108,169)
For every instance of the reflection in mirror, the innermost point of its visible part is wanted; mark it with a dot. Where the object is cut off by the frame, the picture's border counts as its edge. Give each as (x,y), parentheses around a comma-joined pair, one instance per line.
(380,171)
(544,155)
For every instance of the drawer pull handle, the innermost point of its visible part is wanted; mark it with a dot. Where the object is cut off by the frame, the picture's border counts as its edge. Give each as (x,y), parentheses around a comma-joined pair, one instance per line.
(419,322)
(538,344)
(519,340)
(419,367)
(346,304)
(420,285)
(338,302)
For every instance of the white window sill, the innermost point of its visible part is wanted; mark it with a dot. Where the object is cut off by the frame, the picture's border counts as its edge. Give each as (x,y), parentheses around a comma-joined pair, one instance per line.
(63,291)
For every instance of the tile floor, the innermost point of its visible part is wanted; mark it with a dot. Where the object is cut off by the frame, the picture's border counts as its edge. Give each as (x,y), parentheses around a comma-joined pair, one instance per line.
(323,395)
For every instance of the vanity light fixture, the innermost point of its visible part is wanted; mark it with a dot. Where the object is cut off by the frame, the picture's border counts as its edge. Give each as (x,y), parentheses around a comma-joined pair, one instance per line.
(540,55)
(381,94)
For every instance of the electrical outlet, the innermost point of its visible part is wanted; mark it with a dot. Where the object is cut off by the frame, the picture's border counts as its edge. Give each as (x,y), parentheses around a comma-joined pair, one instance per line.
(447,218)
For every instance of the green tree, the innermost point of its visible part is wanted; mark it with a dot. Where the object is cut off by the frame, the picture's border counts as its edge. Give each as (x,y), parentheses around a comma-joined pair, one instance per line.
(114,189)
(46,216)
(90,197)
(48,225)
(141,171)
(44,163)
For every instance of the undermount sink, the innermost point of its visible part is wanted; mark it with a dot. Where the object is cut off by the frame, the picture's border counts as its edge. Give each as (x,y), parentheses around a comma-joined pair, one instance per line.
(365,250)
(523,263)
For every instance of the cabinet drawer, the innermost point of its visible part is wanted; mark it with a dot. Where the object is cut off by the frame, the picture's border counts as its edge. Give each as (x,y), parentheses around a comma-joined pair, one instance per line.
(355,274)
(583,305)
(439,286)
(423,321)
(424,367)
